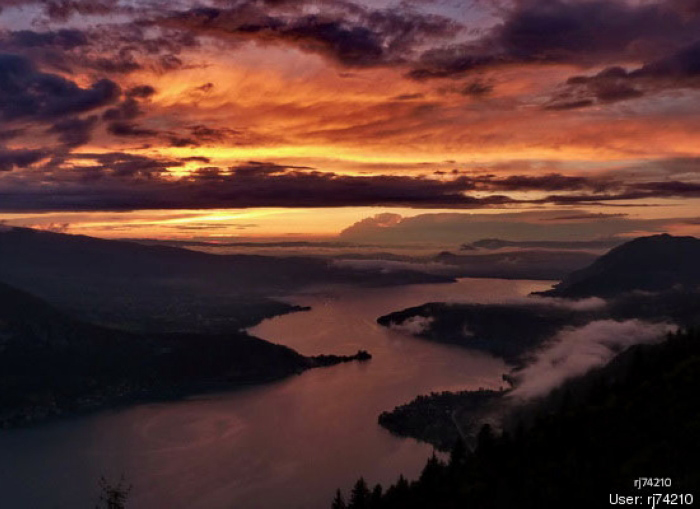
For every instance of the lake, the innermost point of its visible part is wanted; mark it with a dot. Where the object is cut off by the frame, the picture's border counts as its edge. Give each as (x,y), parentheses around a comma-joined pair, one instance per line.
(288,444)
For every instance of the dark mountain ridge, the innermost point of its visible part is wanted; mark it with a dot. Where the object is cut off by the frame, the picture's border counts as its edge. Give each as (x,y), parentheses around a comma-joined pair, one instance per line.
(157,288)
(542,244)
(520,264)
(24,247)
(52,364)
(651,264)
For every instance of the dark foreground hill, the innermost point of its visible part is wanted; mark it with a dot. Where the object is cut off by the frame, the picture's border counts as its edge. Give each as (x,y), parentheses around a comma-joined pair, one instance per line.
(52,364)
(638,417)
(652,264)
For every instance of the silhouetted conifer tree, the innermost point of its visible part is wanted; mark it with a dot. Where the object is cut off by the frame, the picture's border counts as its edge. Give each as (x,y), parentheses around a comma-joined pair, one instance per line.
(485,439)
(338,501)
(113,496)
(458,454)
(376,497)
(360,495)
(432,470)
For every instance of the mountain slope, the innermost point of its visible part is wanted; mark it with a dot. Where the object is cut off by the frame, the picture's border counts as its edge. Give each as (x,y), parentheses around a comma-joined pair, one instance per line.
(656,263)
(156,288)
(638,416)
(52,364)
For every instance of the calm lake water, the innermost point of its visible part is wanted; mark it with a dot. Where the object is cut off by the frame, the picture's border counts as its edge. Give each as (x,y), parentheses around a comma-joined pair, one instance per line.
(284,445)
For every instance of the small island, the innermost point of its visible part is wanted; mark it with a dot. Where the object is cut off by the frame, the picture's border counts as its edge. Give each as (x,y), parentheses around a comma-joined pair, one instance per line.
(332,360)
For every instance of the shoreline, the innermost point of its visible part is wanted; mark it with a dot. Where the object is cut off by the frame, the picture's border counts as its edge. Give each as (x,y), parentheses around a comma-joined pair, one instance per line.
(46,415)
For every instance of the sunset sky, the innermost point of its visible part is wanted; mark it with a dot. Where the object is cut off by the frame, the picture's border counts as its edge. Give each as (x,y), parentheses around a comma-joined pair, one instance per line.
(250,118)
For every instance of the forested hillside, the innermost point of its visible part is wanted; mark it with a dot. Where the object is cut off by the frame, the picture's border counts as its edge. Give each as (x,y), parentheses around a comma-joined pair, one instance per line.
(637,417)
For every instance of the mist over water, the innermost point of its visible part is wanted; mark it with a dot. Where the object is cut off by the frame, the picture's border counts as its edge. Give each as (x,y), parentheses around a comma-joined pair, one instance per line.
(287,444)
(575,351)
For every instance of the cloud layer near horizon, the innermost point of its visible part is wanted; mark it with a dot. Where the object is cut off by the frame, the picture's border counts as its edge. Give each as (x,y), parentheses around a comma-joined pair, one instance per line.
(116,181)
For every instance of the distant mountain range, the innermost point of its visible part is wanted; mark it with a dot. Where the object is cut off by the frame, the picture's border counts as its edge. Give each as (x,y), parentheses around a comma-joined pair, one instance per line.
(542,244)
(653,278)
(653,281)
(159,288)
(520,264)
(649,264)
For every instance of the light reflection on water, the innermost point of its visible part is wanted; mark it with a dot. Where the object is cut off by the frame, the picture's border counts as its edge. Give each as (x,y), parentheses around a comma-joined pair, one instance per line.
(284,445)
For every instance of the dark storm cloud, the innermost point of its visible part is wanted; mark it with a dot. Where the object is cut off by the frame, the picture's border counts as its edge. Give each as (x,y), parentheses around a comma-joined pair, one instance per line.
(182,141)
(65,39)
(141,92)
(124,182)
(677,165)
(680,69)
(121,117)
(477,89)
(123,63)
(8,134)
(27,93)
(558,105)
(344,32)
(123,49)
(569,31)
(10,159)
(120,181)
(196,159)
(554,31)
(200,134)
(62,10)
(130,129)
(455,61)
(609,85)
(128,109)
(670,188)
(119,167)
(549,182)
(587,217)
(623,194)
(205,133)
(633,191)
(408,97)
(121,124)
(69,51)
(114,47)
(74,132)
(681,65)
(257,184)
